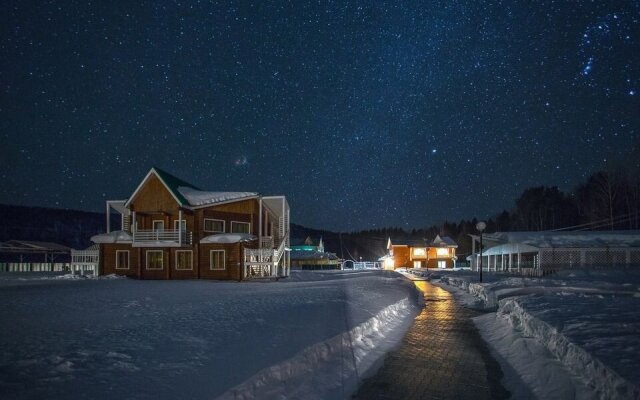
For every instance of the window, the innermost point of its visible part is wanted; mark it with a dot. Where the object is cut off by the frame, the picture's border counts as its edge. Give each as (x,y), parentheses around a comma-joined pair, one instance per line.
(158,225)
(155,259)
(184,259)
(442,264)
(184,225)
(419,252)
(213,225)
(417,264)
(122,259)
(217,260)
(442,251)
(240,227)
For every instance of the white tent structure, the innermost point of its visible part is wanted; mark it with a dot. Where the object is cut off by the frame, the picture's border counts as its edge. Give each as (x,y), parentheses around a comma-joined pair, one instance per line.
(539,253)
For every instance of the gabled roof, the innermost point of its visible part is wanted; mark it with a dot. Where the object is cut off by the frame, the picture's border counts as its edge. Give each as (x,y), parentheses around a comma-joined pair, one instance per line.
(444,241)
(407,242)
(188,195)
(173,183)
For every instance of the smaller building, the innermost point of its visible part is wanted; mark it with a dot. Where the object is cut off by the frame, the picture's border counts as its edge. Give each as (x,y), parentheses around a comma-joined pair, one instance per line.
(309,256)
(540,253)
(420,253)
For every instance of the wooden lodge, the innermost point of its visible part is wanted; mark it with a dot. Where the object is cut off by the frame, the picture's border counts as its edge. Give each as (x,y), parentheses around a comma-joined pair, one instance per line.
(418,253)
(170,229)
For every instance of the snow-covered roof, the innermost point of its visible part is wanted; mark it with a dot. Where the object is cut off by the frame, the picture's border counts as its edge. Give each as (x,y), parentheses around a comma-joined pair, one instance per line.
(227,238)
(197,197)
(568,239)
(112,237)
(444,241)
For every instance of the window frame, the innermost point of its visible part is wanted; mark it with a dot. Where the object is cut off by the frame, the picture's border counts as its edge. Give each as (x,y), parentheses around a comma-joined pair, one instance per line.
(224,260)
(153,225)
(204,225)
(190,268)
(175,224)
(442,251)
(240,223)
(146,261)
(128,259)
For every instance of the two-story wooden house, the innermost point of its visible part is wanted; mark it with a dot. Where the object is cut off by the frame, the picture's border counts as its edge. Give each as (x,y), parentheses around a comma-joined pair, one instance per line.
(418,253)
(173,230)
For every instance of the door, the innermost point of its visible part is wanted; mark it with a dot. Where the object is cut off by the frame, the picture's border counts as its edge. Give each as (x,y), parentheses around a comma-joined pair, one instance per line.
(442,264)
(158,225)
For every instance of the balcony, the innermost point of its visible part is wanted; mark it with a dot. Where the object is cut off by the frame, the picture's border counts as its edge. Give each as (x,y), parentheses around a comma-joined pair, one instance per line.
(162,238)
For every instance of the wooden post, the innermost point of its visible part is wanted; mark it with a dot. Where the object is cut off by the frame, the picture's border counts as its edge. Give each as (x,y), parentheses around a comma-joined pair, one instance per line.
(260,222)
(108,218)
(180,227)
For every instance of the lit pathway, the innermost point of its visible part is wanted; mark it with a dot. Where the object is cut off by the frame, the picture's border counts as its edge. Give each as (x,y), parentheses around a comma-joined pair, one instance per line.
(442,356)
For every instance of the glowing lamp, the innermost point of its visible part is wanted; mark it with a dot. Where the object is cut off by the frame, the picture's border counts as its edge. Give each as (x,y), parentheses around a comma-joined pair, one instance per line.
(388,263)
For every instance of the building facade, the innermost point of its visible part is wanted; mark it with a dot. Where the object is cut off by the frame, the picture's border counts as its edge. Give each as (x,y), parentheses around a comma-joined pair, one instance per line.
(419,253)
(172,230)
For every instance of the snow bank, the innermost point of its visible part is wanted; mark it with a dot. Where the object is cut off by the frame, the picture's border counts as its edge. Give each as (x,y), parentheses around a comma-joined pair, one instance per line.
(331,368)
(127,338)
(604,380)
(586,320)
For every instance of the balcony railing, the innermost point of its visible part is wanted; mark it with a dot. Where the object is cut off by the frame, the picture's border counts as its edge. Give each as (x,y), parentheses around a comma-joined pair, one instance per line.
(164,236)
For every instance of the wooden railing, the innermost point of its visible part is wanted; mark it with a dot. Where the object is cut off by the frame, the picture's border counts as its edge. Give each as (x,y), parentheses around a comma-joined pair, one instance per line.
(164,235)
(263,262)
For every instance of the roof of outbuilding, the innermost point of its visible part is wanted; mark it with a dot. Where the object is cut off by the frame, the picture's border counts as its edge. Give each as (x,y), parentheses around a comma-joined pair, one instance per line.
(568,239)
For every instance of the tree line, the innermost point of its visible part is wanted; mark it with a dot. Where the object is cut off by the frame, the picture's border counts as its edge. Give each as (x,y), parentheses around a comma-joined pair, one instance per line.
(607,200)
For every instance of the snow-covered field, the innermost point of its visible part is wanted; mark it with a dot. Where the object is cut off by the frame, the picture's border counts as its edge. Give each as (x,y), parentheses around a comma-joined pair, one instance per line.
(311,336)
(575,335)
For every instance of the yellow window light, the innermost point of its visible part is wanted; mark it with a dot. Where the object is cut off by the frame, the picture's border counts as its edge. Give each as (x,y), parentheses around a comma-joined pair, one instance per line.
(419,252)
(442,251)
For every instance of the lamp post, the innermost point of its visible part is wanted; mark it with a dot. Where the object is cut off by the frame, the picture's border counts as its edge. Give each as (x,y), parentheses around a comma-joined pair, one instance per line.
(481,226)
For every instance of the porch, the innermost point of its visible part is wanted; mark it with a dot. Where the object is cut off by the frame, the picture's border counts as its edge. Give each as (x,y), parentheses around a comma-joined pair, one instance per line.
(271,259)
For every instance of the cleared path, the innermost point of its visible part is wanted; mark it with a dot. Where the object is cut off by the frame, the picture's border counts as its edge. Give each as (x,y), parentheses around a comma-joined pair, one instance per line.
(442,356)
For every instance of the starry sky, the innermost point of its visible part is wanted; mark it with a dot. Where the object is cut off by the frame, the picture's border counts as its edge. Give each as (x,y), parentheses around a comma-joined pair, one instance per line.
(364,114)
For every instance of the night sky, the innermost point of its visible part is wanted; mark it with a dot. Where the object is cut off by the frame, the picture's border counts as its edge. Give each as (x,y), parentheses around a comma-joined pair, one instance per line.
(364,114)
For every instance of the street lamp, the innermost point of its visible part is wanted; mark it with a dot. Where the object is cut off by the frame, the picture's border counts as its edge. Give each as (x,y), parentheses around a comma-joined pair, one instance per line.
(481,226)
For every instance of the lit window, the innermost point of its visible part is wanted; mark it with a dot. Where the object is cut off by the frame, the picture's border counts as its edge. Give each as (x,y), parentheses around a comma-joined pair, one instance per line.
(240,227)
(419,252)
(155,259)
(214,225)
(122,259)
(184,259)
(217,260)
(442,251)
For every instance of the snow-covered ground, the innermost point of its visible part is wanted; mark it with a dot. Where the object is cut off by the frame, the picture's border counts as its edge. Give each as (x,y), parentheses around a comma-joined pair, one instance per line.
(573,335)
(311,336)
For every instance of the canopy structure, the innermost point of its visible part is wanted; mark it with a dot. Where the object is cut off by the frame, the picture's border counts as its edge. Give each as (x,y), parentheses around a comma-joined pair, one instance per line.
(33,247)
(543,252)
(229,238)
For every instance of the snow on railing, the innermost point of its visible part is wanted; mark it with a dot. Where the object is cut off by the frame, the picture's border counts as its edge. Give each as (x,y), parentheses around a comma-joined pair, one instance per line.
(164,235)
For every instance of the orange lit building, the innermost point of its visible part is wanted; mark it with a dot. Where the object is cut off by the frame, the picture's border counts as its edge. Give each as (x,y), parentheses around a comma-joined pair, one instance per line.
(419,253)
